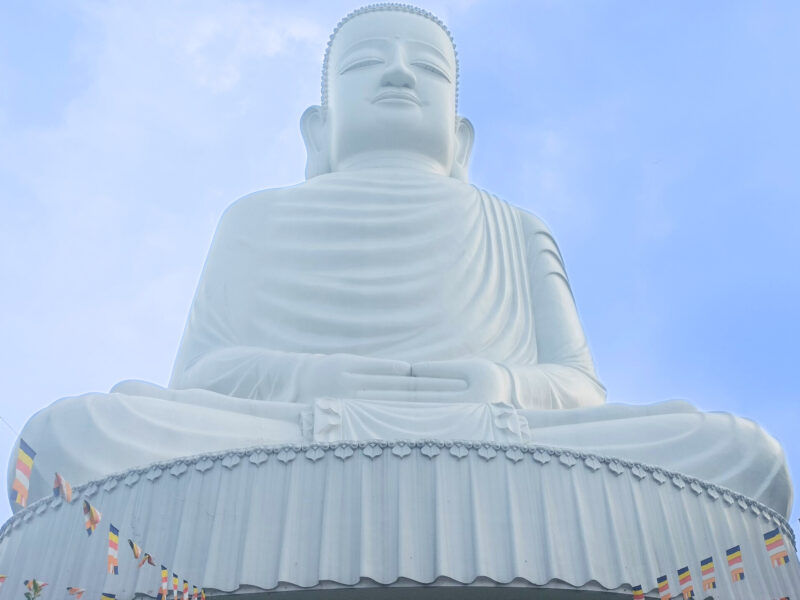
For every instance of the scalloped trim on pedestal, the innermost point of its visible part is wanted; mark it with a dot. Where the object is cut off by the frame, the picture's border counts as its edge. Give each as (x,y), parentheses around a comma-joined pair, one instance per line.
(431,449)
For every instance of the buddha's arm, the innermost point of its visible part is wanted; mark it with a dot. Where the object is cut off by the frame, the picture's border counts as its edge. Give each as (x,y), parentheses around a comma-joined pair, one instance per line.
(244,372)
(215,352)
(262,374)
(561,375)
(564,375)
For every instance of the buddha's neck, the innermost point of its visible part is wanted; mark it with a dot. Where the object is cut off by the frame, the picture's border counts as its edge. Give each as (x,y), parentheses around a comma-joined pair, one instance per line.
(391,160)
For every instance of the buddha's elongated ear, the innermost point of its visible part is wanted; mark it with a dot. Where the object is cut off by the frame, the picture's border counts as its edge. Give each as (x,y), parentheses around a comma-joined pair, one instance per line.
(315,137)
(465,136)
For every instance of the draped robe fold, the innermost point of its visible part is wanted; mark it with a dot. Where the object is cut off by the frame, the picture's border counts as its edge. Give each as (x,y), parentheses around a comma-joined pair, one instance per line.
(386,264)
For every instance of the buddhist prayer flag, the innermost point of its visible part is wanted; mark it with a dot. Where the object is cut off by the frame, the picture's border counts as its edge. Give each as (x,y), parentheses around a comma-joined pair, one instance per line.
(194,592)
(107,596)
(92,517)
(62,488)
(202,594)
(685,583)
(162,591)
(32,584)
(174,587)
(638,594)
(22,478)
(2,580)
(776,549)
(137,551)
(113,549)
(147,559)
(76,591)
(707,573)
(735,564)
(663,588)
(185,590)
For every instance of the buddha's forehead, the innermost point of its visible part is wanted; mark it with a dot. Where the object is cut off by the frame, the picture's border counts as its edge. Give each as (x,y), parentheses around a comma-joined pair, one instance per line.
(376,29)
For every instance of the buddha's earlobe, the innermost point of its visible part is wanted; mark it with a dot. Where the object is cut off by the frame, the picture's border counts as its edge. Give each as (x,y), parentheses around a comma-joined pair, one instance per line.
(315,137)
(465,136)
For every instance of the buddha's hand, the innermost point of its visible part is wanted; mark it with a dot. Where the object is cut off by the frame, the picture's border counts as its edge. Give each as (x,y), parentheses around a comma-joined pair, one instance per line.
(481,381)
(358,377)
(350,376)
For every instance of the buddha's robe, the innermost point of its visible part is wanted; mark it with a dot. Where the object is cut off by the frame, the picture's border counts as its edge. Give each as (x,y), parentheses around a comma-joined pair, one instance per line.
(385,264)
(395,265)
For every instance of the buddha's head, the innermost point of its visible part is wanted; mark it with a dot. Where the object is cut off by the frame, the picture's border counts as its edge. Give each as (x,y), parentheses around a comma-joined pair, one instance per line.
(389,96)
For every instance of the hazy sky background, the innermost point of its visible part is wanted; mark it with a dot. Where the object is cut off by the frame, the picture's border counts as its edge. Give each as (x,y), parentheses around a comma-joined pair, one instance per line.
(658,140)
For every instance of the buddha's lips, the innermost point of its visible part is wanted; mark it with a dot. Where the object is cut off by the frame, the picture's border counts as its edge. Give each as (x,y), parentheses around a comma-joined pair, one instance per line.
(397,95)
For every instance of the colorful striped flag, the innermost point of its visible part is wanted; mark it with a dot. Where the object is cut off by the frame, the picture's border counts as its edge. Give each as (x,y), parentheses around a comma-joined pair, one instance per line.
(162,591)
(62,488)
(638,594)
(92,517)
(113,549)
(685,583)
(776,549)
(147,559)
(107,596)
(194,592)
(34,586)
(137,551)
(735,563)
(2,580)
(22,478)
(174,587)
(663,588)
(707,573)
(202,594)
(76,591)
(185,590)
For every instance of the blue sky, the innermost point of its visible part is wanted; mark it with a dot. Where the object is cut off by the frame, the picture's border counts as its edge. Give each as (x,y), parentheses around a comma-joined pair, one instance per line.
(660,142)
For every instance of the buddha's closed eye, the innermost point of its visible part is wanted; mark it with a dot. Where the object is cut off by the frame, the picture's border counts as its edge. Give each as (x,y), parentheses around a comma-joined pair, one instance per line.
(432,69)
(361,63)
(371,61)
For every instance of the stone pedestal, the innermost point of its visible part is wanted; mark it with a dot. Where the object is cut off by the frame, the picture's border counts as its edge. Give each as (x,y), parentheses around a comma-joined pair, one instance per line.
(418,519)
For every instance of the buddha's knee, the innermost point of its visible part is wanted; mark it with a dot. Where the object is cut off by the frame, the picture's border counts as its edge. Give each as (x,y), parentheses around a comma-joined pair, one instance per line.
(743,457)
(58,435)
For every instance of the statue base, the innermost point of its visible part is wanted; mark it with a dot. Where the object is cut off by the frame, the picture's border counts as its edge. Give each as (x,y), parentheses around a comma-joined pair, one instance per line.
(420,519)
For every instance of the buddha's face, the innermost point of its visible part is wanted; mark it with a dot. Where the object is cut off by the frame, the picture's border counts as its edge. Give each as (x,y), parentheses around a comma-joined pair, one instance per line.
(391,92)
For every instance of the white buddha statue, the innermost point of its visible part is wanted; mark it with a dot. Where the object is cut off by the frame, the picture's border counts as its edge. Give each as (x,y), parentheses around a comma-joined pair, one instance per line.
(388,298)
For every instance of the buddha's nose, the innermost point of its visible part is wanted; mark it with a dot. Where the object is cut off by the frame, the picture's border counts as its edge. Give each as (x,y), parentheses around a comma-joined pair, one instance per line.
(398,73)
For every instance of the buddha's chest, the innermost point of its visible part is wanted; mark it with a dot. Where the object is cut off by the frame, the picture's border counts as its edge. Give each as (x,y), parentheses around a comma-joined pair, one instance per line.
(425,284)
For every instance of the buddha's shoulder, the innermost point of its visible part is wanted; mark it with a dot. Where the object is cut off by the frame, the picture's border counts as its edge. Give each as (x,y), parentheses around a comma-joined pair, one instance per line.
(537,233)
(531,224)
(260,207)
(259,202)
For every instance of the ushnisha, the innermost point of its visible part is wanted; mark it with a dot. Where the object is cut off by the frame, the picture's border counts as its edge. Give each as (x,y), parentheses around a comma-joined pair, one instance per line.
(386,298)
